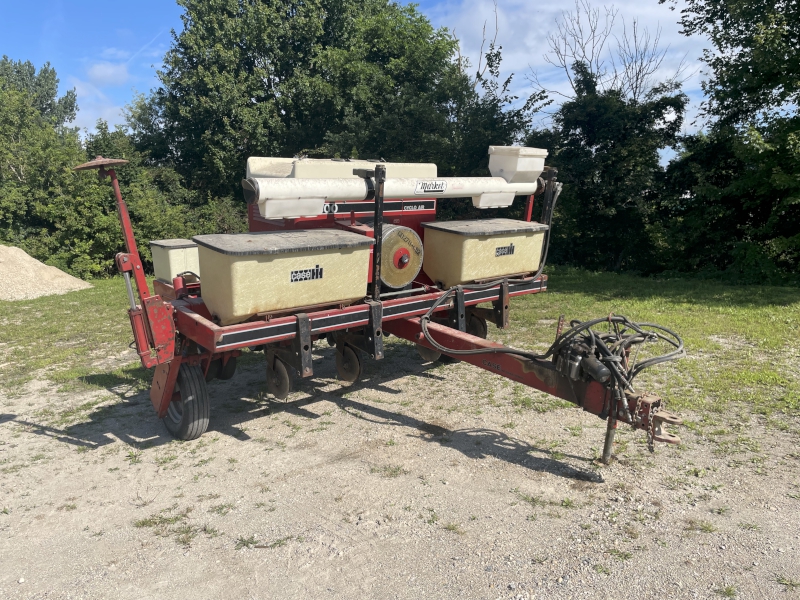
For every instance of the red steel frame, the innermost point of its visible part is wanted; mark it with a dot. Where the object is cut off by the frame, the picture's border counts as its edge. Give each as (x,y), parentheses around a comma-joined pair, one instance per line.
(168,325)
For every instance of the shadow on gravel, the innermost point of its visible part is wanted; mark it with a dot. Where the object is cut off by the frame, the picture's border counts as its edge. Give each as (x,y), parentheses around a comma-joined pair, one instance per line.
(479,444)
(132,419)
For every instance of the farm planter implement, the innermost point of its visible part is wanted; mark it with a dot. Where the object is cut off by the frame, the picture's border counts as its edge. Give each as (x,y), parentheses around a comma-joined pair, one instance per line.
(442,309)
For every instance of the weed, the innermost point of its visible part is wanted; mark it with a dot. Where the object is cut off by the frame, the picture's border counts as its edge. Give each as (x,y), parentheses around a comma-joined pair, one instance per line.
(726,592)
(209,531)
(134,456)
(602,570)
(166,459)
(534,501)
(455,528)
(720,510)
(279,542)
(699,525)
(221,509)
(568,503)
(789,584)
(67,507)
(246,542)
(389,471)
(631,532)
(432,517)
(204,497)
(586,526)
(620,554)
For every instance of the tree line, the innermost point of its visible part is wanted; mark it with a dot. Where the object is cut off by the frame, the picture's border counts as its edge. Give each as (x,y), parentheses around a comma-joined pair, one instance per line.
(374,79)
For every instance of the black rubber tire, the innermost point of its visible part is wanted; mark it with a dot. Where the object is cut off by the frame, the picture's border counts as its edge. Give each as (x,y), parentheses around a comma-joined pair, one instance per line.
(477,326)
(228,370)
(279,379)
(348,365)
(187,418)
(213,370)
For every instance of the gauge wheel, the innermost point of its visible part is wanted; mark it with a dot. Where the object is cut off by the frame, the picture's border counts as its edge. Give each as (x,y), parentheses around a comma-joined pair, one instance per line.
(477,326)
(348,364)
(428,354)
(227,370)
(187,417)
(279,379)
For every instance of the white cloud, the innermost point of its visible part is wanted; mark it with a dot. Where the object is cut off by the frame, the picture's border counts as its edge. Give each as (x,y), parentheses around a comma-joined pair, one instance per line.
(108,73)
(115,54)
(94,105)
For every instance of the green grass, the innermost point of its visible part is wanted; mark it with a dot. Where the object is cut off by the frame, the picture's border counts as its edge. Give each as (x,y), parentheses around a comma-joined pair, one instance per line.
(739,339)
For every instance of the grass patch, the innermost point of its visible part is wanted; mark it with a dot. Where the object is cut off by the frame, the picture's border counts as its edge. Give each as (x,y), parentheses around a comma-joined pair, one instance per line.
(726,592)
(699,525)
(246,542)
(455,528)
(789,584)
(390,471)
(739,338)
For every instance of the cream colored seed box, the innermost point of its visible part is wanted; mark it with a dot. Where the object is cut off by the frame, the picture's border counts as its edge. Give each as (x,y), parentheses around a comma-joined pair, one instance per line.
(249,273)
(173,257)
(459,252)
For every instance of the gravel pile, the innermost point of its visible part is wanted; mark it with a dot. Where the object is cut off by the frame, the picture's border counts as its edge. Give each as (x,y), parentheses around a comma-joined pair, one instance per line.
(22,277)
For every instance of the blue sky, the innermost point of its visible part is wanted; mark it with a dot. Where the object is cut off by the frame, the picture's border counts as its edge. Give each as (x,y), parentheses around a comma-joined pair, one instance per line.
(110,51)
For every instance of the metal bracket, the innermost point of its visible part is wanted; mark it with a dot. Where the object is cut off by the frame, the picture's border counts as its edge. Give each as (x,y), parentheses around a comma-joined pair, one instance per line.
(298,355)
(373,337)
(369,339)
(501,306)
(458,313)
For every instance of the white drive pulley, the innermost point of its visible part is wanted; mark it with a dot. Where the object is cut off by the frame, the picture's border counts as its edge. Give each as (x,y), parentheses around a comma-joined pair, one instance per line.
(401,256)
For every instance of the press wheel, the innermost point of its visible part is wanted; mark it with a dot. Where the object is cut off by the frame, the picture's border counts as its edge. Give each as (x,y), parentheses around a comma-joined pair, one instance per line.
(348,364)
(279,379)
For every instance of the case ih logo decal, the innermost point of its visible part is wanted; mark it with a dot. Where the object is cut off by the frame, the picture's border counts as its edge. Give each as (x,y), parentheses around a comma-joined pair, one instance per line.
(425,188)
(305,274)
(504,250)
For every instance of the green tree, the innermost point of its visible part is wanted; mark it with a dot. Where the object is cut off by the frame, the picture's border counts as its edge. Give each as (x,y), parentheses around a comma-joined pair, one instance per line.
(605,140)
(42,87)
(735,201)
(755,56)
(366,78)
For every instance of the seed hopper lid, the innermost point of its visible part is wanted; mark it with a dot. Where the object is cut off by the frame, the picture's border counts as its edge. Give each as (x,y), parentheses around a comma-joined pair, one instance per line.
(486,227)
(173,244)
(99,162)
(282,242)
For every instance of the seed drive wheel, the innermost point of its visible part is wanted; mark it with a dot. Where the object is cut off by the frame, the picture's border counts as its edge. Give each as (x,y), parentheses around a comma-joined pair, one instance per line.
(348,364)
(187,418)
(279,379)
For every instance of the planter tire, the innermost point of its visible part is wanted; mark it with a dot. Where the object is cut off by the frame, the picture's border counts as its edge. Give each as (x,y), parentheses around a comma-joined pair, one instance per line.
(187,418)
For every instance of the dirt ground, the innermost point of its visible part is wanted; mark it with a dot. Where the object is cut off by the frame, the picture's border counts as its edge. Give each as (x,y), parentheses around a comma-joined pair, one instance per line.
(421,480)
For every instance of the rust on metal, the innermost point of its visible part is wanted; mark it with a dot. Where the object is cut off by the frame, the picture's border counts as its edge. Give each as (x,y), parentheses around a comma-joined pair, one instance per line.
(100,163)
